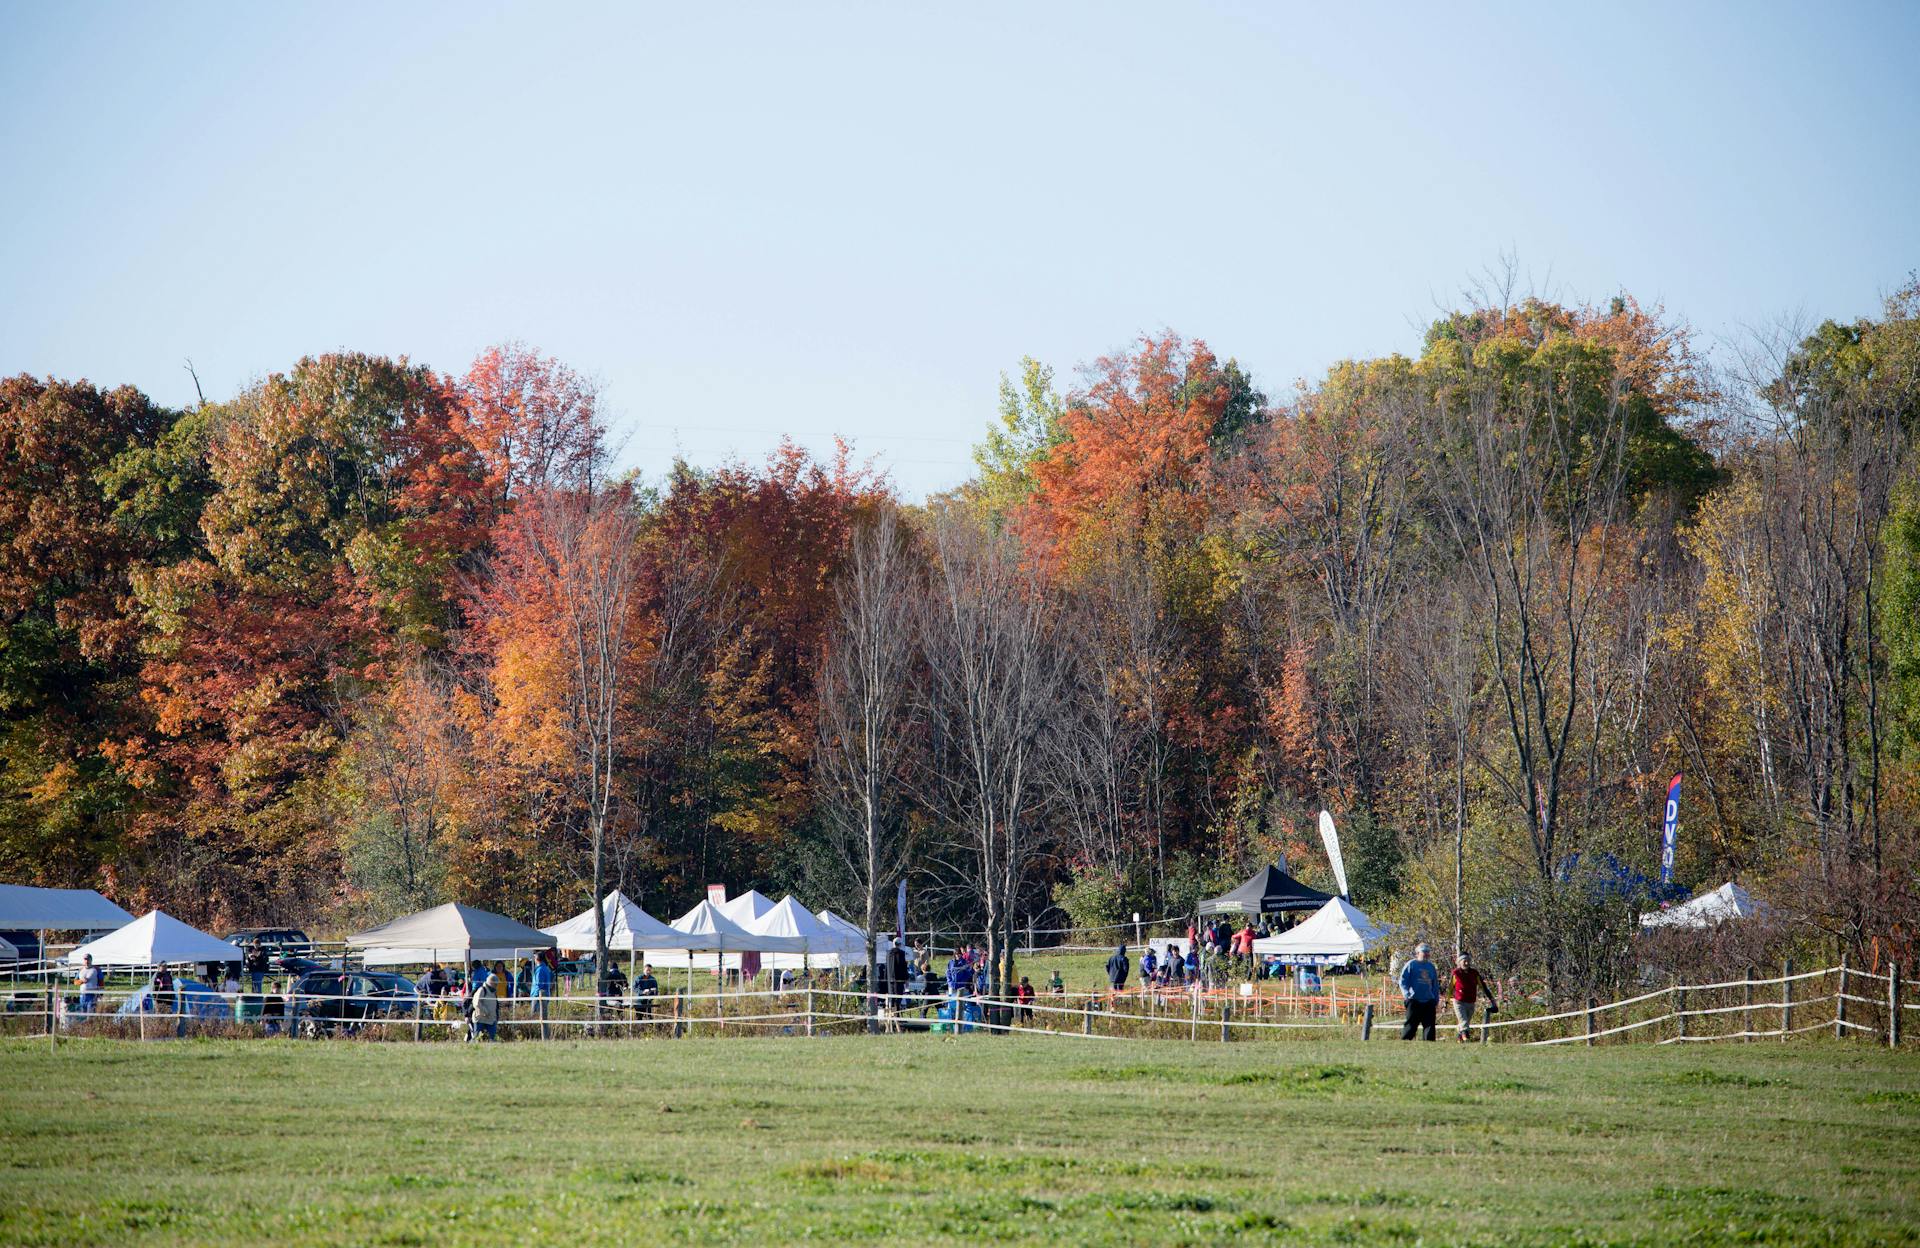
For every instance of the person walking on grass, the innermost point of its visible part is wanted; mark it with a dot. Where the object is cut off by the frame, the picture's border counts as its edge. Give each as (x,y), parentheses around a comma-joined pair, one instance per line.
(1420,986)
(1468,984)
(1117,968)
(91,981)
(485,1008)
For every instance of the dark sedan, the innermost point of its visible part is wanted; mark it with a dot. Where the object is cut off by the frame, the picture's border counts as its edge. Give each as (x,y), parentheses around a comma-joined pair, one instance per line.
(323,1002)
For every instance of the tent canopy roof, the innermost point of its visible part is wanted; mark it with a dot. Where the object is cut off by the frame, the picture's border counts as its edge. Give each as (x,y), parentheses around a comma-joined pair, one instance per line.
(1337,929)
(24,908)
(748,908)
(789,918)
(1267,891)
(712,931)
(451,930)
(1729,901)
(156,939)
(628,927)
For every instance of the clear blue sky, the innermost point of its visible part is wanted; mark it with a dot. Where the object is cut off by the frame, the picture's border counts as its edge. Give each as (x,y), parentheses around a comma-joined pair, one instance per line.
(821,218)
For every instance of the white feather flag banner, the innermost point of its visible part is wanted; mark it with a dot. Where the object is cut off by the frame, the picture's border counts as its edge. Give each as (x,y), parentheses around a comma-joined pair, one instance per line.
(1332,838)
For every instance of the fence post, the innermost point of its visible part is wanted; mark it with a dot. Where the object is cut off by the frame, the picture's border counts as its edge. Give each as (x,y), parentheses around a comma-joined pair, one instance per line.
(1086,1018)
(810,1012)
(1593,1004)
(1746,1017)
(1194,1033)
(1840,1001)
(49,1009)
(1226,1017)
(1786,1000)
(1366,1022)
(1679,1012)
(1893,1005)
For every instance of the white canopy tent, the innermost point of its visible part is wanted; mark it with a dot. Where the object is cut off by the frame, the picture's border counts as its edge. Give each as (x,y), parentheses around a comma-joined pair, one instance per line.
(24,908)
(707,935)
(882,944)
(1729,901)
(449,933)
(156,939)
(747,909)
(1330,936)
(628,928)
(826,948)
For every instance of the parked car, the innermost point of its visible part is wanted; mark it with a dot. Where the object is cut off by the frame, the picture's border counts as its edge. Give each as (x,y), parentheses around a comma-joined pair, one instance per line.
(279,941)
(322,1002)
(289,951)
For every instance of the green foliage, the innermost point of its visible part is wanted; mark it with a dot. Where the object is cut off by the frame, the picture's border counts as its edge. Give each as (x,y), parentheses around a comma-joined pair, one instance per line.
(1100,898)
(1900,619)
(1373,855)
(1029,426)
(1193,876)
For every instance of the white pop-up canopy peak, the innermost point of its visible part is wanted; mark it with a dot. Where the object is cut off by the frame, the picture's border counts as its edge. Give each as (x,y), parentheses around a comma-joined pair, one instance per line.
(1729,901)
(156,939)
(451,932)
(882,944)
(628,928)
(826,947)
(748,908)
(707,930)
(1333,933)
(25,908)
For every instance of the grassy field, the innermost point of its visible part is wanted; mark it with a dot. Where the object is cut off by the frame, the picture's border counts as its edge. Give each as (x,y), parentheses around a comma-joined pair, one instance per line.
(952,1139)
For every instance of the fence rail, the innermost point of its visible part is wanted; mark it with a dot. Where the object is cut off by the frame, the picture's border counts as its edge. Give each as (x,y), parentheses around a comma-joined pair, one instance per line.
(1840,999)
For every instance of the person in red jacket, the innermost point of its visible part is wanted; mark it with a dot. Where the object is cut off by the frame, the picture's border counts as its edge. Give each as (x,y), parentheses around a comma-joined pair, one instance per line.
(1467,987)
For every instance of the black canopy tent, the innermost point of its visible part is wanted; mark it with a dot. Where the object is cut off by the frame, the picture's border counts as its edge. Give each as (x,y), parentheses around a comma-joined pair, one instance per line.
(1268,891)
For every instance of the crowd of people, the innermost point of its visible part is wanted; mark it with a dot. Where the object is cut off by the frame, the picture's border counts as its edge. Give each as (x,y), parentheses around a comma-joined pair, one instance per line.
(1214,954)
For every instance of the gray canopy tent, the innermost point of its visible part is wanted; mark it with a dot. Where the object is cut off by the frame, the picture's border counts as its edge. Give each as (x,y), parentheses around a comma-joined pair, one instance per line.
(448,933)
(33,912)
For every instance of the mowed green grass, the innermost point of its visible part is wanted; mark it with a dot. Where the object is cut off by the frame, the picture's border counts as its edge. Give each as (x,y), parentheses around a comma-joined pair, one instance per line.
(915,1139)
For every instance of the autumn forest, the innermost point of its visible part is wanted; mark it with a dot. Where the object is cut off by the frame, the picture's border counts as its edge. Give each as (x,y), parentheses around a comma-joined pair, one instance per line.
(370,636)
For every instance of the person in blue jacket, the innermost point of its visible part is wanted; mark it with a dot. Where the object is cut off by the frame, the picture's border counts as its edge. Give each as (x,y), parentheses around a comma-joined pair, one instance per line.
(1420,986)
(959,975)
(542,986)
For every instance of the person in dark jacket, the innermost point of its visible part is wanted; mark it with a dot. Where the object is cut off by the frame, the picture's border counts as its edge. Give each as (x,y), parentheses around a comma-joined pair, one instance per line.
(1117,968)
(645,989)
(256,964)
(898,970)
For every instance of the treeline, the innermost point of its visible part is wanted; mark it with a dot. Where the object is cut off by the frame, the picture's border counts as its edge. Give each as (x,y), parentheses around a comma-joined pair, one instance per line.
(368,637)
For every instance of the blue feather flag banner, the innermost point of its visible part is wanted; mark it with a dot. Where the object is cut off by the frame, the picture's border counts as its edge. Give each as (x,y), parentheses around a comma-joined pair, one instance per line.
(1670,831)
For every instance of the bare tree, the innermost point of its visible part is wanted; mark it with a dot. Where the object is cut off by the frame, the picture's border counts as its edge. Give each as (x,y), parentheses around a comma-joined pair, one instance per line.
(994,679)
(1334,489)
(1537,485)
(865,691)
